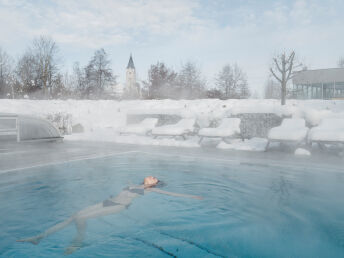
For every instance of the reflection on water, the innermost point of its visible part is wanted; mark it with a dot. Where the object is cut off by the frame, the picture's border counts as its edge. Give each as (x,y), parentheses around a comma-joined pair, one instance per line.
(247,210)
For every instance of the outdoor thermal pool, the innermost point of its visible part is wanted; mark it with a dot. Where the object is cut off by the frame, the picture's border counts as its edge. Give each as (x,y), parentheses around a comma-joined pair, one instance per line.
(250,209)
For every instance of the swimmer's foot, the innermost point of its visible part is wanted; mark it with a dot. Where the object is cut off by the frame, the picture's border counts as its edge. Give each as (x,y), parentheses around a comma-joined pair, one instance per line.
(33,240)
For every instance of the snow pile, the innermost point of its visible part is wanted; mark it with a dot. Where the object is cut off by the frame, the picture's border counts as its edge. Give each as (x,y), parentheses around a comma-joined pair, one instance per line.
(142,128)
(302,152)
(261,106)
(314,111)
(314,117)
(290,130)
(253,144)
(108,135)
(330,129)
(96,117)
(227,128)
(184,126)
(94,114)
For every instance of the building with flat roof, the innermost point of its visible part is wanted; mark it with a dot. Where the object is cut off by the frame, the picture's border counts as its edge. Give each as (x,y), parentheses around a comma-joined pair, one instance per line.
(319,84)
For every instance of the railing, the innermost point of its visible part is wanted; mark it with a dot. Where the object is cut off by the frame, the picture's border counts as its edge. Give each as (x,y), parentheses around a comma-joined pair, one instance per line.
(9,126)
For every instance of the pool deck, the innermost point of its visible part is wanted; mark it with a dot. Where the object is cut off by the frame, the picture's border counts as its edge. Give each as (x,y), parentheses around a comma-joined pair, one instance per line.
(20,156)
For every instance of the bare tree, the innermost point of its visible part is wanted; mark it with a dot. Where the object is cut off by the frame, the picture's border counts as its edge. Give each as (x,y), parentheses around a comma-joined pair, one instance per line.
(45,51)
(240,82)
(6,74)
(232,81)
(224,81)
(37,70)
(214,94)
(190,81)
(78,81)
(272,90)
(60,89)
(341,62)
(282,70)
(27,73)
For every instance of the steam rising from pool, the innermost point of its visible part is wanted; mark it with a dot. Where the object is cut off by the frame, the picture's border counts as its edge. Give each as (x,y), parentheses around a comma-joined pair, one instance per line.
(248,209)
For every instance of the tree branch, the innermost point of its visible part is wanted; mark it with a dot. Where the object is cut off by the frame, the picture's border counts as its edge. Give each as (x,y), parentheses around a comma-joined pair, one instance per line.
(277,65)
(291,57)
(273,73)
(291,63)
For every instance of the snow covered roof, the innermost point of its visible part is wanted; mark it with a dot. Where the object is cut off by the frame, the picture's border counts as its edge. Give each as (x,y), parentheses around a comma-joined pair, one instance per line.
(131,63)
(319,76)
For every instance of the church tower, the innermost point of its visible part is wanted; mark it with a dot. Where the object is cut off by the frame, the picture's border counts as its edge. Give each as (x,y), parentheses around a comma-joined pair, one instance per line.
(130,85)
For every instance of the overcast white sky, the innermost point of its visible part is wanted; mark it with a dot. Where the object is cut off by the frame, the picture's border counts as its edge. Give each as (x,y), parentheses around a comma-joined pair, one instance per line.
(211,33)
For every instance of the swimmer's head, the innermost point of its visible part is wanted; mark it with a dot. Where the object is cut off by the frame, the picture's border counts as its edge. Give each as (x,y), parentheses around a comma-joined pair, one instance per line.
(150,181)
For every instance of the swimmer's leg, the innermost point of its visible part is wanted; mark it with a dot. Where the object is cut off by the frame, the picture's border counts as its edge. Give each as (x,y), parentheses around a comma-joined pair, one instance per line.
(79,238)
(80,222)
(36,239)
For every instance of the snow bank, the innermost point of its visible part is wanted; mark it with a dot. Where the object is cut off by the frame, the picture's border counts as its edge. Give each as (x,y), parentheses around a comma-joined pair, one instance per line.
(228,127)
(253,144)
(142,128)
(184,126)
(302,152)
(94,114)
(291,129)
(108,135)
(90,114)
(330,129)
(104,116)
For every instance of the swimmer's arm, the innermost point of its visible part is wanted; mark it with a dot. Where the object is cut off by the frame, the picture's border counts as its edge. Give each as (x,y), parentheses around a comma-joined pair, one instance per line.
(174,194)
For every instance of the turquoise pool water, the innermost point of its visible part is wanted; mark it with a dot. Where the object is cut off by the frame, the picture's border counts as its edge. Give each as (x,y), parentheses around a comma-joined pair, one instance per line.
(248,210)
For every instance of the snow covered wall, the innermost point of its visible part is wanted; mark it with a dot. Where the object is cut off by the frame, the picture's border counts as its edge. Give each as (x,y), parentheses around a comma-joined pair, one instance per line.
(102,114)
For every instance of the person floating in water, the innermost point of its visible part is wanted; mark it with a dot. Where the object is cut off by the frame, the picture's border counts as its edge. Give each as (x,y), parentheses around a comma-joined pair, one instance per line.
(110,206)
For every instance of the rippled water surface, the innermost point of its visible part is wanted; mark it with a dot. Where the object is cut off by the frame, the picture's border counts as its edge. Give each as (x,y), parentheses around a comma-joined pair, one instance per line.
(248,210)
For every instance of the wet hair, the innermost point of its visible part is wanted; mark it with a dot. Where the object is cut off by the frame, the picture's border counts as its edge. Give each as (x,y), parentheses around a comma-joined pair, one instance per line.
(160,184)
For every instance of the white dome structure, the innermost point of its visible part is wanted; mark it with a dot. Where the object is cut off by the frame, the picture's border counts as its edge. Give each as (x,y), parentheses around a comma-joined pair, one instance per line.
(27,128)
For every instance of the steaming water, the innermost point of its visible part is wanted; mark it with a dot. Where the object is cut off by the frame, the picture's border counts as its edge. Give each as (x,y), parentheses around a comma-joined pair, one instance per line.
(248,210)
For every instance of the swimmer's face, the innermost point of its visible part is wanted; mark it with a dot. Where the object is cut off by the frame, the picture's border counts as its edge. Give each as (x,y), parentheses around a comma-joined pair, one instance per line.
(150,181)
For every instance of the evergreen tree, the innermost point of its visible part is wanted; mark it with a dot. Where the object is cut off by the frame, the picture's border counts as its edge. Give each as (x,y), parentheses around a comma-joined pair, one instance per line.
(161,82)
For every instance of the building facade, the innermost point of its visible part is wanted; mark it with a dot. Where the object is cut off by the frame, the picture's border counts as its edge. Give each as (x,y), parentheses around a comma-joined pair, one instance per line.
(319,84)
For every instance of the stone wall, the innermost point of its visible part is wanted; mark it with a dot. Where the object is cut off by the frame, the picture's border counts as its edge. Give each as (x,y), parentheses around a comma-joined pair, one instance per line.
(252,124)
(257,124)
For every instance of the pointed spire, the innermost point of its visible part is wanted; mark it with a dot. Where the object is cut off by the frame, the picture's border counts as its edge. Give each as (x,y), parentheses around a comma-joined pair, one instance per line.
(131,63)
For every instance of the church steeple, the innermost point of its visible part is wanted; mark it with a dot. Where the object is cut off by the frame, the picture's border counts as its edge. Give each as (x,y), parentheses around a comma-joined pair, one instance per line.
(131,63)
(131,84)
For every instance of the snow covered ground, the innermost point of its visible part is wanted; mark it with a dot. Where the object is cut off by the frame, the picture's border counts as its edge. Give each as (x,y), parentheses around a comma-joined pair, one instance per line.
(101,119)
(253,144)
